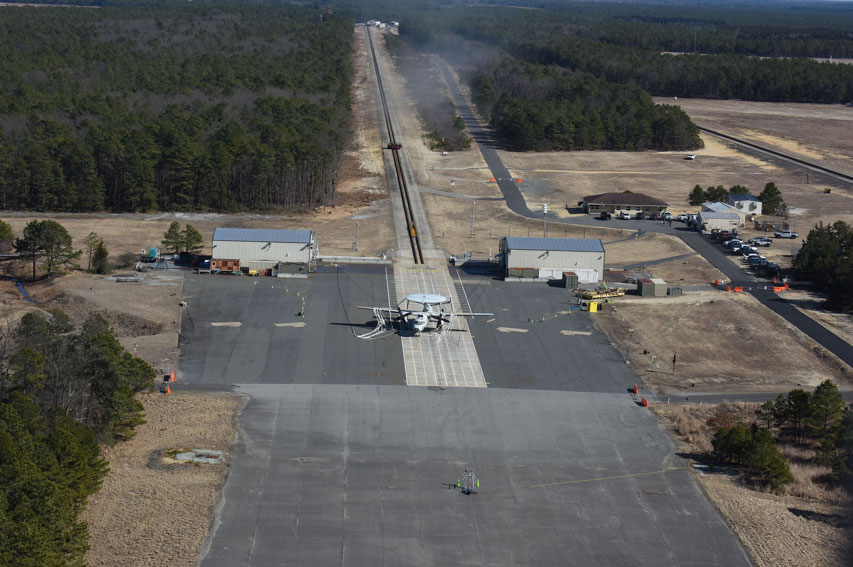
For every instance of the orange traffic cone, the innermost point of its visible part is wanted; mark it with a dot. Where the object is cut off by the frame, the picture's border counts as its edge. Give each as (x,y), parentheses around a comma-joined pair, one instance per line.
(644,402)
(168,389)
(636,390)
(173,376)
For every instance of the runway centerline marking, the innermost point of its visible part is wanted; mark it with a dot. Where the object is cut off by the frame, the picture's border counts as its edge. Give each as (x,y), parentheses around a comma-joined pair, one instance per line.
(571,333)
(511,330)
(227,324)
(579,481)
(294,324)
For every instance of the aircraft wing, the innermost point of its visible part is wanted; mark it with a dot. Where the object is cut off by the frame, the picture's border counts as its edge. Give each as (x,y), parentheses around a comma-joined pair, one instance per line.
(385,309)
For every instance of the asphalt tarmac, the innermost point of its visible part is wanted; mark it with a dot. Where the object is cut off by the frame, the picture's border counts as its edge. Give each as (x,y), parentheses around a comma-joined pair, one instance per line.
(241,330)
(365,475)
(534,341)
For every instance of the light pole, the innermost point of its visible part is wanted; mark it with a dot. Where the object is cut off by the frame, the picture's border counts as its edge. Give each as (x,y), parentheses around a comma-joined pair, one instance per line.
(628,355)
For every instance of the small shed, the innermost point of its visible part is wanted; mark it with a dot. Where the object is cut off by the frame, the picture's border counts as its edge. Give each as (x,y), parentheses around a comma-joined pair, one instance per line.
(651,287)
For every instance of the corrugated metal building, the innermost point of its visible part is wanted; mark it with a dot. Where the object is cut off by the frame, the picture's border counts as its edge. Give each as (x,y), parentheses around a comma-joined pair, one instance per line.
(725,208)
(550,257)
(708,221)
(263,249)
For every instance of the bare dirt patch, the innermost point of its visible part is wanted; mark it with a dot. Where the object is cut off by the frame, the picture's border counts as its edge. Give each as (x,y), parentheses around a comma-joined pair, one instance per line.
(146,515)
(723,341)
(818,132)
(790,530)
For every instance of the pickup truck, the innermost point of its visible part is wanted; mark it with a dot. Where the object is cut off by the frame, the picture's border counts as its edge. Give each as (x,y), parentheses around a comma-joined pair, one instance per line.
(785,234)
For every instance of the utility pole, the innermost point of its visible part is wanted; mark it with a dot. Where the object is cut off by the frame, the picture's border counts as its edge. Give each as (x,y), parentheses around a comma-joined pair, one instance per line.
(473,203)
(356,236)
(545,220)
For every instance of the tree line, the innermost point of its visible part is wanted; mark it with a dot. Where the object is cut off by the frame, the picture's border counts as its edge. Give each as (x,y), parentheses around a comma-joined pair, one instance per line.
(543,108)
(825,259)
(220,106)
(819,420)
(626,44)
(63,390)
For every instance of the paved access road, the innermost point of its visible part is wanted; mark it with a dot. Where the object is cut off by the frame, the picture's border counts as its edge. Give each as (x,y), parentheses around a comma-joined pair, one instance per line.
(363,475)
(515,201)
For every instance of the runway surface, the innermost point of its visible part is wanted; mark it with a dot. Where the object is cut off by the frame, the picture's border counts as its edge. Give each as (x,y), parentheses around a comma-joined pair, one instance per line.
(364,475)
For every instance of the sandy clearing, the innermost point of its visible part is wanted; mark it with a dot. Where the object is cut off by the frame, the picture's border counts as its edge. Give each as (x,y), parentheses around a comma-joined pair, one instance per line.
(148,514)
(722,344)
(774,530)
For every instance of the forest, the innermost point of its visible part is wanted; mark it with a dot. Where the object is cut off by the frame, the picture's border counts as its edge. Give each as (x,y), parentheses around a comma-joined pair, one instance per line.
(171,106)
(63,390)
(576,75)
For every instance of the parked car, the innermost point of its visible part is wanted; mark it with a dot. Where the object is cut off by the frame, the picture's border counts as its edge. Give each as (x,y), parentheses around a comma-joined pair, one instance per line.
(604,216)
(757,261)
(666,216)
(691,156)
(653,216)
(683,217)
(624,216)
(760,241)
(732,241)
(785,234)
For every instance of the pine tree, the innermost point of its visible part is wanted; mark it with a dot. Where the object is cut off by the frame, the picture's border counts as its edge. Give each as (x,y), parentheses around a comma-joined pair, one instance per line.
(173,239)
(697,196)
(193,242)
(826,410)
(100,263)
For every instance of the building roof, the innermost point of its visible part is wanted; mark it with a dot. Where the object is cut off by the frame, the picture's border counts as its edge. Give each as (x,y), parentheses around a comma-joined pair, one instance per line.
(712,215)
(262,235)
(633,199)
(743,197)
(719,207)
(554,244)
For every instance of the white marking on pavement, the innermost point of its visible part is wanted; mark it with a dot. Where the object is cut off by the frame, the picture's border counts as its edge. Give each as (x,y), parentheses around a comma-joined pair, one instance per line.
(295,324)
(570,333)
(450,361)
(511,330)
(227,324)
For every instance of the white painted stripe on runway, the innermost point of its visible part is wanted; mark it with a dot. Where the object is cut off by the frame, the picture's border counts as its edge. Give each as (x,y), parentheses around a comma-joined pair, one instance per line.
(511,330)
(227,324)
(572,333)
(294,324)
(449,362)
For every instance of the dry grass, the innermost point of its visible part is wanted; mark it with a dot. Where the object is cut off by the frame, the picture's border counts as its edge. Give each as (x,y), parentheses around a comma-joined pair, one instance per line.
(804,527)
(691,422)
(723,341)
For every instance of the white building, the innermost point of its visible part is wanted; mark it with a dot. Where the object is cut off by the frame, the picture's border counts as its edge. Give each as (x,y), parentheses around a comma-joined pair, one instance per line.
(550,257)
(746,203)
(262,249)
(709,220)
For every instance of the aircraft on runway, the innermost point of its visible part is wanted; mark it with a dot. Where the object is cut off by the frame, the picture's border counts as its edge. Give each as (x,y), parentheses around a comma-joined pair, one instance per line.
(418,313)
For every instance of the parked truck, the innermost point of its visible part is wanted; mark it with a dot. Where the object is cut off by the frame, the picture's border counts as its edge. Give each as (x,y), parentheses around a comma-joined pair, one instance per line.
(785,234)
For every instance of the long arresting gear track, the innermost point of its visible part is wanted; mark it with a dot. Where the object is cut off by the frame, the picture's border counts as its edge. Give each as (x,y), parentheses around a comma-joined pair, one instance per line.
(394,146)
